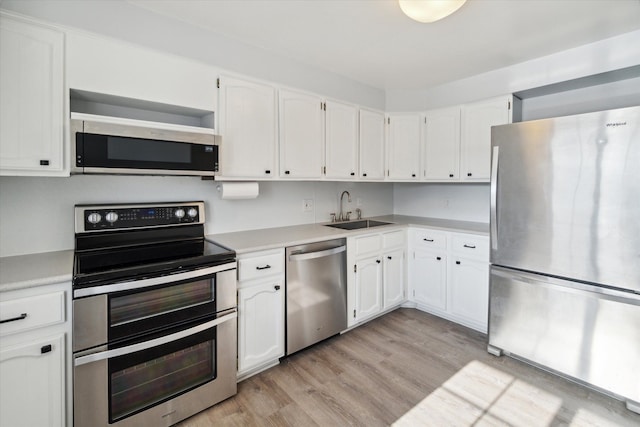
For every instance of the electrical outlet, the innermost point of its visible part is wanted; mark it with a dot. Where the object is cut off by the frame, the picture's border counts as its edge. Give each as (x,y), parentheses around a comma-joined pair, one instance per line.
(307,205)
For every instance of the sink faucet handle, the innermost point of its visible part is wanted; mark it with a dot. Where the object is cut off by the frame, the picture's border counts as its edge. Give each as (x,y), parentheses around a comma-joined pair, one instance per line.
(359,213)
(333,216)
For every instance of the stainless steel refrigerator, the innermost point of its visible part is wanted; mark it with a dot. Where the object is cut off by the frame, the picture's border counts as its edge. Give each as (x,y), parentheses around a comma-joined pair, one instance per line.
(565,247)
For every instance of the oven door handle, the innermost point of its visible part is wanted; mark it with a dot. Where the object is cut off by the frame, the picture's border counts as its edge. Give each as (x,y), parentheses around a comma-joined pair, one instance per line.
(152,281)
(89,358)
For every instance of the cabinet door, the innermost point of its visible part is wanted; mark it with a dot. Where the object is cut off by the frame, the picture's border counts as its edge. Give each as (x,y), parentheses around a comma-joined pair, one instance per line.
(32,390)
(248,119)
(371,144)
(260,324)
(368,287)
(442,144)
(341,140)
(393,277)
(301,135)
(477,120)
(403,146)
(32,101)
(469,291)
(429,279)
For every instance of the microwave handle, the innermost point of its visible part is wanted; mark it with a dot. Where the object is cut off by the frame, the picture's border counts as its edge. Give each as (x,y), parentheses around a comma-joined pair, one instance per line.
(83,360)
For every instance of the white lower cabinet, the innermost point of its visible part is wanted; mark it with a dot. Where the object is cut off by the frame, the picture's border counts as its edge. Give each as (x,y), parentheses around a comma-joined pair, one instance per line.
(34,356)
(261,313)
(377,279)
(33,383)
(449,275)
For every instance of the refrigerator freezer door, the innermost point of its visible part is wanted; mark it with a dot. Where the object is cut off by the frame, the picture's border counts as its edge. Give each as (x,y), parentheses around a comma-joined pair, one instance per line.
(586,332)
(566,197)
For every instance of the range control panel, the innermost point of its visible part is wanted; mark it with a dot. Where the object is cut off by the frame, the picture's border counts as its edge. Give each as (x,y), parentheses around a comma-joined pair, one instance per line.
(115,217)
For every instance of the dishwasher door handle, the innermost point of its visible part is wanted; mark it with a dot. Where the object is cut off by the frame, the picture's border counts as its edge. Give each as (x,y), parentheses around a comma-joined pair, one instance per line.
(302,256)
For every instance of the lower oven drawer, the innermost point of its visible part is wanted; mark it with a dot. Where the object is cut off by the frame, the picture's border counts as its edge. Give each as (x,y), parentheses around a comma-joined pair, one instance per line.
(160,381)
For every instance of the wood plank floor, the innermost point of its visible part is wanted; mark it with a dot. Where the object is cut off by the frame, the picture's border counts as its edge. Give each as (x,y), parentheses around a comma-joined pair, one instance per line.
(409,368)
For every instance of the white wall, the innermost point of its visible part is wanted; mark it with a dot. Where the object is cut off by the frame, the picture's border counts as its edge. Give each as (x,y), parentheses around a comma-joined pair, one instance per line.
(36,214)
(464,202)
(605,55)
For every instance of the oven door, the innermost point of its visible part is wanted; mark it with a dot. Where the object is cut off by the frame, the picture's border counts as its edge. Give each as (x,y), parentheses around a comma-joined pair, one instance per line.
(121,311)
(158,380)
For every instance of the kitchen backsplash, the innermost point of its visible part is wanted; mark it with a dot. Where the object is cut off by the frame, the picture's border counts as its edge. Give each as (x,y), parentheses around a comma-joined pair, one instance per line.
(36,214)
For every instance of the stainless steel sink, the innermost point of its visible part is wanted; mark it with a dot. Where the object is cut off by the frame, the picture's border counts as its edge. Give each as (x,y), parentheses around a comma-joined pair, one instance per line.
(357,225)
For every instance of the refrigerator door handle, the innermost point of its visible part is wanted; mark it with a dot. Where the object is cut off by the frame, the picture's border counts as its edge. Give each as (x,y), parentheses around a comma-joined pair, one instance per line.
(494,197)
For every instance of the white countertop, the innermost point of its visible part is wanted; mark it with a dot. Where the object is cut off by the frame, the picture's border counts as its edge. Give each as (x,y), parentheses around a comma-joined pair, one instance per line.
(271,238)
(26,271)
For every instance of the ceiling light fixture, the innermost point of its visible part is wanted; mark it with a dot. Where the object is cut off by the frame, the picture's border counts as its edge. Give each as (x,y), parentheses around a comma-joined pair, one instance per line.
(429,10)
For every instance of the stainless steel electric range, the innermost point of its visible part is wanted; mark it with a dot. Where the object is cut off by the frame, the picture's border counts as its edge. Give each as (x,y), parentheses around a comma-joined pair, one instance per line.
(154,315)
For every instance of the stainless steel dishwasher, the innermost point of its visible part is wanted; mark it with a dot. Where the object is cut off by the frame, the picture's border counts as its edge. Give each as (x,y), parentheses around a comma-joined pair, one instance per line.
(316,292)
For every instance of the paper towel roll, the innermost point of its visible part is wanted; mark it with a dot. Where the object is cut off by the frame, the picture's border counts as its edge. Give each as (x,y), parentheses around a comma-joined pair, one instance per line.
(238,190)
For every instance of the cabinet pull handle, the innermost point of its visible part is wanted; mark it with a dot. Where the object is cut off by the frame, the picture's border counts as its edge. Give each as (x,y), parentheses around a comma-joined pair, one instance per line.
(458,262)
(353,173)
(378,261)
(287,172)
(44,162)
(389,257)
(470,246)
(45,349)
(438,258)
(469,174)
(13,319)
(450,175)
(276,287)
(263,268)
(267,172)
(428,240)
(413,175)
(364,174)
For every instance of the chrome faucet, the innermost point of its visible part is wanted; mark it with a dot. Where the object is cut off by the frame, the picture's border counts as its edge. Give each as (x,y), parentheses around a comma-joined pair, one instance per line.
(342,216)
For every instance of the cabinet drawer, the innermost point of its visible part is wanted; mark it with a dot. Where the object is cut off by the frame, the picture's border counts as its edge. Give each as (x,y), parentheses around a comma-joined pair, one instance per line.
(393,239)
(470,246)
(368,244)
(260,264)
(31,313)
(424,238)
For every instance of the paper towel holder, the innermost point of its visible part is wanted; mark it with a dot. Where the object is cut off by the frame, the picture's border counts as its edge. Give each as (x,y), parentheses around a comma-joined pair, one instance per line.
(238,190)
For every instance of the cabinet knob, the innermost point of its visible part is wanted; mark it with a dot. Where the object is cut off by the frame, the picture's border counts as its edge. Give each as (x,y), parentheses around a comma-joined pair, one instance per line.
(276,287)
(287,172)
(469,174)
(267,172)
(450,175)
(378,261)
(458,262)
(389,257)
(438,258)
(353,173)
(413,175)
(364,174)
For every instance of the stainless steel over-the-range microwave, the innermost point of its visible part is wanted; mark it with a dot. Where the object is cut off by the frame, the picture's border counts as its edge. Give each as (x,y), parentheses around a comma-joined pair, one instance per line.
(108,145)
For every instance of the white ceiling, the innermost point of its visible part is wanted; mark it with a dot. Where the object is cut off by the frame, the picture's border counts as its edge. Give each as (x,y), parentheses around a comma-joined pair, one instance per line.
(373,42)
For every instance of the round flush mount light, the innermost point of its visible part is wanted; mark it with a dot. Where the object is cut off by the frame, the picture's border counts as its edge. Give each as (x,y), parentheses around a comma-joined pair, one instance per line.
(429,10)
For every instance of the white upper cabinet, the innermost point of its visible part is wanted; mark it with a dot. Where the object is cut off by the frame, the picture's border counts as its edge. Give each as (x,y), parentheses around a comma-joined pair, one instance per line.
(371,144)
(248,124)
(477,119)
(403,146)
(301,135)
(442,144)
(32,99)
(341,140)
